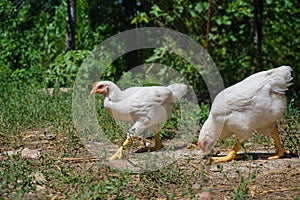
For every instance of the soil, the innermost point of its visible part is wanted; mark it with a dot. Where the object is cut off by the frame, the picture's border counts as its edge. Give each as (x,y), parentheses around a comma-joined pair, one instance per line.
(251,175)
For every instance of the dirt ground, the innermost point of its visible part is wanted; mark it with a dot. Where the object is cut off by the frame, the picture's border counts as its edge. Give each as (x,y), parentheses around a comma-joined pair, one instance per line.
(251,175)
(265,179)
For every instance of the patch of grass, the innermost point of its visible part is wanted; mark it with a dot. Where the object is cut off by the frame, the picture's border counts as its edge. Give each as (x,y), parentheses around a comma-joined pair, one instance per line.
(289,128)
(242,190)
(243,177)
(173,181)
(26,111)
(24,108)
(17,177)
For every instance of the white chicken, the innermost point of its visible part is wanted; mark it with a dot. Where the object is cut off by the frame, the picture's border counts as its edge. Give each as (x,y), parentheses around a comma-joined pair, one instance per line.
(252,105)
(144,107)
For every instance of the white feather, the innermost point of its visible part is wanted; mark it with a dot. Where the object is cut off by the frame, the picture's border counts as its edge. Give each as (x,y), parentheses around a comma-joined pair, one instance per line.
(145,107)
(254,104)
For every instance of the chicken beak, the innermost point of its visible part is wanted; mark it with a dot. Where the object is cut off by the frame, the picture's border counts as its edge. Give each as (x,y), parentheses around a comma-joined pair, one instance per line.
(93,91)
(204,149)
(96,91)
(199,144)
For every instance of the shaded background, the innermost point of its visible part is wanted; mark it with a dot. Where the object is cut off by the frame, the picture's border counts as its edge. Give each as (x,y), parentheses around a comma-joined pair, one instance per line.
(44,43)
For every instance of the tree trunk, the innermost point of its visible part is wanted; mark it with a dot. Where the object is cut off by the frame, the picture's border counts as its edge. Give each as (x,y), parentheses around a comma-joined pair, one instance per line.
(71,25)
(132,58)
(258,23)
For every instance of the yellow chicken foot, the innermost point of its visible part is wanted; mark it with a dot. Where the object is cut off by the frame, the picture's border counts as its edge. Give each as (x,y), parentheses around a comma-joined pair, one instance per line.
(158,144)
(230,156)
(118,153)
(280,151)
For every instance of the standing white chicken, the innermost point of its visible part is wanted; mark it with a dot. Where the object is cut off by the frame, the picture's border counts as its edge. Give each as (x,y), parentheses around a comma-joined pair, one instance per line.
(144,107)
(254,104)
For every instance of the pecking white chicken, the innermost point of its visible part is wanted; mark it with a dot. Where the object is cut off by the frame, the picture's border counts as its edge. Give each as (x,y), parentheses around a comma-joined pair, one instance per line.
(144,107)
(252,105)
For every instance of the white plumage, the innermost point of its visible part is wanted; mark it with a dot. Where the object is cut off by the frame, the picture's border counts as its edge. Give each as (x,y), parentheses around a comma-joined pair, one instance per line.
(254,104)
(144,107)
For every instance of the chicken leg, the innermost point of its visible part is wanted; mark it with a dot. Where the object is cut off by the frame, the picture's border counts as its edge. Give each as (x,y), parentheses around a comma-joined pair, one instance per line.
(158,144)
(230,156)
(118,153)
(280,151)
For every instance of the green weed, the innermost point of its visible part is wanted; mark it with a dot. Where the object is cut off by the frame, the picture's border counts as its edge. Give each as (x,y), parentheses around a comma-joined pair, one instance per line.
(27,111)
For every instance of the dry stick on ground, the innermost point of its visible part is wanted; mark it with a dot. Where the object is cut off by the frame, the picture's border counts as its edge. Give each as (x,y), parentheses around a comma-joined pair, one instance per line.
(207,173)
(38,142)
(53,198)
(294,173)
(277,190)
(88,159)
(223,187)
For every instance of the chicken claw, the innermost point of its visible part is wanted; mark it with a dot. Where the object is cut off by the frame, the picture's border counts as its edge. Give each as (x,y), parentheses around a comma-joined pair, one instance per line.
(280,151)
(279,154)
(118,153)
(230,156)
(158,144)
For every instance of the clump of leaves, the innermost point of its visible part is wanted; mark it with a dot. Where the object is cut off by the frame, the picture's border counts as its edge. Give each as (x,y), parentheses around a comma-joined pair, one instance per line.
(242,190)
(16,176)
(290,127)
(64,70)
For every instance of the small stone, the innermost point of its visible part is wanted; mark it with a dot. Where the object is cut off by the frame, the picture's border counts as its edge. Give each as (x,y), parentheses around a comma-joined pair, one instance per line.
(30,153)
(49,135)
(191,146)
(10,153)
(196,186)
(39,178)
(204,196)
(40,188)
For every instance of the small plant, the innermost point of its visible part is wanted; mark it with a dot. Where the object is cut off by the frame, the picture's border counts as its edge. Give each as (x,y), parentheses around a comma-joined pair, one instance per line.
(204,112)
(64,70)
(241,191)
(16,176)
(290,126)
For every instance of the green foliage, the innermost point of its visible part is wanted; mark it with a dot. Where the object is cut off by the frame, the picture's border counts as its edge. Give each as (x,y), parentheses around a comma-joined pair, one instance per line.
(17,176)
(230,33)
(29,37)
(203,113)
(290,126)
(281,41)
(24,108)
(20,53)
(64,70)
(241,192)
(40,32)
(29,76)
(231,43)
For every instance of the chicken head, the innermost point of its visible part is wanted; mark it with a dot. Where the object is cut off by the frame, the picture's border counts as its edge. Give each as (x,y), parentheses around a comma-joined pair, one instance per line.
(100,88)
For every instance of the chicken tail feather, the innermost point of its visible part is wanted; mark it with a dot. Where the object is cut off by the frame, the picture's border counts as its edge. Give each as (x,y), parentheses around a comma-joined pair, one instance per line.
(281,79)
(178,90)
